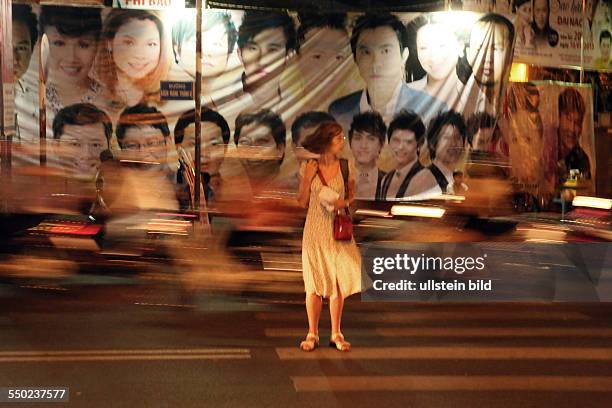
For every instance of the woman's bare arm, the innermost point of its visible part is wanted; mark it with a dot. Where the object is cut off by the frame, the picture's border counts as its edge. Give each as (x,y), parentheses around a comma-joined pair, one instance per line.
(305,181)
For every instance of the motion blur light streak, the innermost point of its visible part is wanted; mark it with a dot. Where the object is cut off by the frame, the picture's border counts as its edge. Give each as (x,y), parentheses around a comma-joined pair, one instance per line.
(417,211)
(593,202)
(453,197)
(373,213)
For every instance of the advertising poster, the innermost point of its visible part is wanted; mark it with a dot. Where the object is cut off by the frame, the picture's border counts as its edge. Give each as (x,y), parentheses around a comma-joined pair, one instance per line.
(404,88)
(549,32)
(547,129)
(8,88)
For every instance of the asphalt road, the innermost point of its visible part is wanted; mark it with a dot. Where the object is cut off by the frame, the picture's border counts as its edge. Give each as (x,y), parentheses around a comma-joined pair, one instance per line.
(143,346)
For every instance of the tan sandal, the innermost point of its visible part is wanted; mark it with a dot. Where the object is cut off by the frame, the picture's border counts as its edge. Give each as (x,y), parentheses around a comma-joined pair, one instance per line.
(310,343)
(337,341)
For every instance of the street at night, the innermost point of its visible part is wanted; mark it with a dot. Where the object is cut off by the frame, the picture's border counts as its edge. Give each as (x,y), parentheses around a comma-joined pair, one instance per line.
(139,346)
(237,203)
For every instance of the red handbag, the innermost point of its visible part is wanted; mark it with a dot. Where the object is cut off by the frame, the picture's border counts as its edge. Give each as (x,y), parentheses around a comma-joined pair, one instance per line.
(343,226)
(343,223)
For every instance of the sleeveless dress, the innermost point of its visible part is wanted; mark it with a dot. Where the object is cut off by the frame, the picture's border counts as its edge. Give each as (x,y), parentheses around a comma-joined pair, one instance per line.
(326,263)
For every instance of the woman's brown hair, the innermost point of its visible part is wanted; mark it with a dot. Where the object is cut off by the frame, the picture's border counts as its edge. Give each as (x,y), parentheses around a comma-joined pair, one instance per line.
(320,140)
(106,69)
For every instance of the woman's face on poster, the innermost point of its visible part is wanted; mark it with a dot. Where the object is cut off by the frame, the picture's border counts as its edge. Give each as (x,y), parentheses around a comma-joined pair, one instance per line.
(70,58)
(437,50)
(524,12)
(136,48)
(323,50)
(540,13)
(214,52)
(212,146)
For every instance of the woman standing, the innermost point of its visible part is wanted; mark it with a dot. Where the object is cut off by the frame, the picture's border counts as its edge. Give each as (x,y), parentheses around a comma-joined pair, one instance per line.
(134,56)
(331,269)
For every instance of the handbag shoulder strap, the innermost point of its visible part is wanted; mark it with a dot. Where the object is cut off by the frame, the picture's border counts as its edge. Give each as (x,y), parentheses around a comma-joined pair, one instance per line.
(439,176)
(343,169)
(345,175)
(320,174)
(409,176)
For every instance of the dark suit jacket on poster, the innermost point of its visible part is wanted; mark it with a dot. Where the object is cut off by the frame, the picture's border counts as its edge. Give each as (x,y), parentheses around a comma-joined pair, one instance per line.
(578,159)
(426,106)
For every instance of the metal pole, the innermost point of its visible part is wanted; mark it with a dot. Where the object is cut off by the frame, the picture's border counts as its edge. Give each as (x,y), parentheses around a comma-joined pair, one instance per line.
(42,100)
(198,104)
(584,21)
(6,73)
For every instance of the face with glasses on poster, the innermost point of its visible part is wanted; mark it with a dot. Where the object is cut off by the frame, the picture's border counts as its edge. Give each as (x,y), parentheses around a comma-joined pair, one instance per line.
(143,134)
(214,138)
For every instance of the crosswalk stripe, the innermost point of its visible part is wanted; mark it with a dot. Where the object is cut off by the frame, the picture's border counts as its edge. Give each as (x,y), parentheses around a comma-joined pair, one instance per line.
(51,353)
(450,353)
(494,332)
(24,359)
(457,332)
(411,316)
(451,383)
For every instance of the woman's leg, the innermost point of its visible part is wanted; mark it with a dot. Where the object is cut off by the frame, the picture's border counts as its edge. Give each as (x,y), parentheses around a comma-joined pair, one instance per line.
(336,304)
(314,304)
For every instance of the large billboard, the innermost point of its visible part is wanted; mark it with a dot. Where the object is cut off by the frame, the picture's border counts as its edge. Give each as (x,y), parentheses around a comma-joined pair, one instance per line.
(553,32)
(411,92)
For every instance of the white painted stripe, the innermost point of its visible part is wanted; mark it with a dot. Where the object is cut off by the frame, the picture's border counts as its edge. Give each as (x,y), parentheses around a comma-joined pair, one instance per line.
(49,353)
(520,265)
(495,332)
(459,315)
(259,301)
(457,332)
(164,305)
(450,353)
(452,383)
(43,359)
(555,264)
